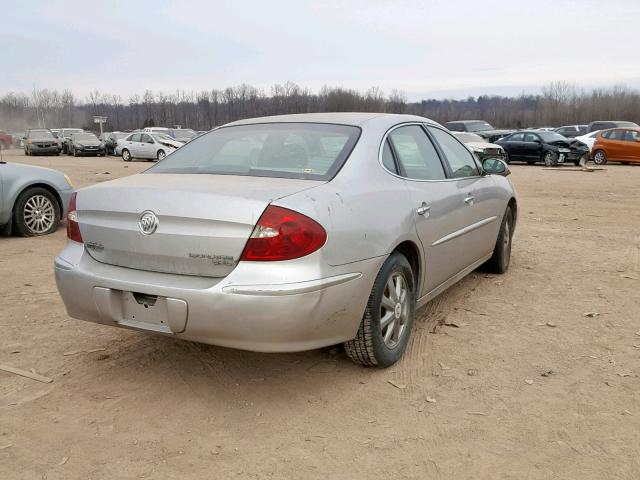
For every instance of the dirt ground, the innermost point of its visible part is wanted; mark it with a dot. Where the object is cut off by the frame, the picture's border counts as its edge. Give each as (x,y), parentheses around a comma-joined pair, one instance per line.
(520,385)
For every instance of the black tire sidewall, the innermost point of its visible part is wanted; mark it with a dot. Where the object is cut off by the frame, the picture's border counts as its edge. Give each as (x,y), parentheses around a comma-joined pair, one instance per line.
(18,211)
(384,355)
(123,156)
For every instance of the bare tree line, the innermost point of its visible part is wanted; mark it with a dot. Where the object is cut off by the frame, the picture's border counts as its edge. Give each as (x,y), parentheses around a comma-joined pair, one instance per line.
(559,103)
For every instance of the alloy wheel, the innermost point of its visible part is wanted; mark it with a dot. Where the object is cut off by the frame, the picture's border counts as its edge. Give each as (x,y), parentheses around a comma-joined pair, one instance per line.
(394,310)
(39,214)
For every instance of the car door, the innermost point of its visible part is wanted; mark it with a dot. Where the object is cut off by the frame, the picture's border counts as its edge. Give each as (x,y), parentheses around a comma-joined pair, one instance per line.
(133,145)
(439,207)
(147,147)
(513,145)
(632,145)
(478,195)
(615,144)
(531,147)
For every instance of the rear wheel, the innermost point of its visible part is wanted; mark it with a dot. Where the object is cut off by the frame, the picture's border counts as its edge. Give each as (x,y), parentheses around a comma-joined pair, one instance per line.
(550,159)
(386,326)
(36,212)
(600,158)
(126,156)
(499,261)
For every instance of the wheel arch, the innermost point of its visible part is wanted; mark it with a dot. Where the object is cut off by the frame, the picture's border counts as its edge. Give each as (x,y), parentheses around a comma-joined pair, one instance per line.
(513,204)
(412,253)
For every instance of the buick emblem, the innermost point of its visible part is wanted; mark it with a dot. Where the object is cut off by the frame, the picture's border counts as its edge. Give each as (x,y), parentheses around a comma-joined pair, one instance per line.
(148,222)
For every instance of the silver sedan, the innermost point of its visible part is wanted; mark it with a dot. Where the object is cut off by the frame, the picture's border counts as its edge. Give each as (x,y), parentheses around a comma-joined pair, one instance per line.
(290,233)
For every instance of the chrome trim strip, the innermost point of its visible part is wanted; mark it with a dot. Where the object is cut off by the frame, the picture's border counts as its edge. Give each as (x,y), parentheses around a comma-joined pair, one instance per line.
(290,288)
(464,230)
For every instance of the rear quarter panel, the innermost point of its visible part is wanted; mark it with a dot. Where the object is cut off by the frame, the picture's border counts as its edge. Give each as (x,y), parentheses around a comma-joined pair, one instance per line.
(365,210)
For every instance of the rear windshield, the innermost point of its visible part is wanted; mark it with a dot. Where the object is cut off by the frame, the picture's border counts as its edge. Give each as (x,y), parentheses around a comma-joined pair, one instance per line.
(313,151)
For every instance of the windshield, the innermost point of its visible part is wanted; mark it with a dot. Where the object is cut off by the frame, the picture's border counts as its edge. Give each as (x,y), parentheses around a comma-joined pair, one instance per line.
(469,137)
(551,137)
(46,134)
(479,127)
(84,136)
(311,151)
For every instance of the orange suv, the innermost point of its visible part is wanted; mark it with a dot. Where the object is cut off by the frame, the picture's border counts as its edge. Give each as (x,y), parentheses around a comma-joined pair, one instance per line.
(617,144)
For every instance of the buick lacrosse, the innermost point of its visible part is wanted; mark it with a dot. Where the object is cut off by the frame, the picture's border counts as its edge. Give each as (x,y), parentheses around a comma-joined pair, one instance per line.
(289,233)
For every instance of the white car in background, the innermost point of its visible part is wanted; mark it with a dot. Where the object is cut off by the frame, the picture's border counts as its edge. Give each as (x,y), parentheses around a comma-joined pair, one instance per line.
(146,145)
(589,139)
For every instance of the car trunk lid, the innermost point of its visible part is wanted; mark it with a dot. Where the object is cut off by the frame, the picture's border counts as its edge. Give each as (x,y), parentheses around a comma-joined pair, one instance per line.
(203,221)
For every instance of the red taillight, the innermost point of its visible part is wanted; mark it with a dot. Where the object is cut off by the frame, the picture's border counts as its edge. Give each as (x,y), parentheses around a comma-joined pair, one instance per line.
(73,228)
(282,234)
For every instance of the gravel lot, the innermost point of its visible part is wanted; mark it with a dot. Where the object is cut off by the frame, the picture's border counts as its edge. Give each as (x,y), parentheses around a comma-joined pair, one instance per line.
(505,376)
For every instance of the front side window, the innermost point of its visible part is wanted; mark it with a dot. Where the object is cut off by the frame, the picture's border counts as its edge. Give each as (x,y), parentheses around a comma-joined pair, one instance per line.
(313,151)
(147,138)
(416,154)
(459,158)
(530,137)
(516,137)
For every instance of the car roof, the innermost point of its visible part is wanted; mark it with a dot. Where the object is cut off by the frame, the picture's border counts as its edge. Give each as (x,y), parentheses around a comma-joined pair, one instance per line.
(339,118)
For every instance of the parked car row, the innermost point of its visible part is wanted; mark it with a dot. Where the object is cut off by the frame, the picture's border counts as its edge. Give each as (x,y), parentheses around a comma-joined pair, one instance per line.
(549,145)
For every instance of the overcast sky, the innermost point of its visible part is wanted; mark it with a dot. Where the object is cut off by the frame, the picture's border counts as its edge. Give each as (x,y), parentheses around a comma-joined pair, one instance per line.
(427,48)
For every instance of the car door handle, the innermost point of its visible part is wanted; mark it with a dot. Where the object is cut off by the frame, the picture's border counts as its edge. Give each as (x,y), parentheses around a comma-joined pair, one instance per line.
(423,209)
(469,200)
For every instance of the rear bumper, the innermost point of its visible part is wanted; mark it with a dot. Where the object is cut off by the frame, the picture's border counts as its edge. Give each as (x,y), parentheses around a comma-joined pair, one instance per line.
(235,311)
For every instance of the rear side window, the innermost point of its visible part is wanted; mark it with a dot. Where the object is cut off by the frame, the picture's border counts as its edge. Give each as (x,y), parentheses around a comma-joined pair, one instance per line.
(313,151)
(458,156)
(387,158)
(416,154)
(135,138)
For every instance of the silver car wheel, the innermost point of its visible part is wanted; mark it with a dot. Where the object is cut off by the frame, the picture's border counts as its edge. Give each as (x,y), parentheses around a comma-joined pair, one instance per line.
(599,158)
(39,214)
(161,154)
(394,310)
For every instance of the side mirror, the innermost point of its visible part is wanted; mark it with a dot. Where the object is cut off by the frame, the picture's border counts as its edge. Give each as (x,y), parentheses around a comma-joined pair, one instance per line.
(495,166)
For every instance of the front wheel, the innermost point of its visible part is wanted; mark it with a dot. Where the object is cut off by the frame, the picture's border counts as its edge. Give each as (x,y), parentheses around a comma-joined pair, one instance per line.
(499,261)
(550,159)
(161,155)
(386,326)
(126,156)
(600,158)
(36,212)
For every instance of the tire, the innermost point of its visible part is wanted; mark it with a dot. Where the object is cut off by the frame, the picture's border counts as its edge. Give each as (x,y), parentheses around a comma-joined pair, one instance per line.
(599,157)
(507,160)
(126,155)
(576,162)
(499,261)
(26,152)
(369,347)
(160,155)
(550,159)
(36,212)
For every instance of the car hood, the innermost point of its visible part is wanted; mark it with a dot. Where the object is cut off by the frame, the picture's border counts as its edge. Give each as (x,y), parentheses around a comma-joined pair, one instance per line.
(569,143)
(483,145)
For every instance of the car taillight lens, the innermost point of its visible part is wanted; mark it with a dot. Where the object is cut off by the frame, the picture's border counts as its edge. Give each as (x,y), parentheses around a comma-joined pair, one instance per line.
(282,234)
(73,227)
